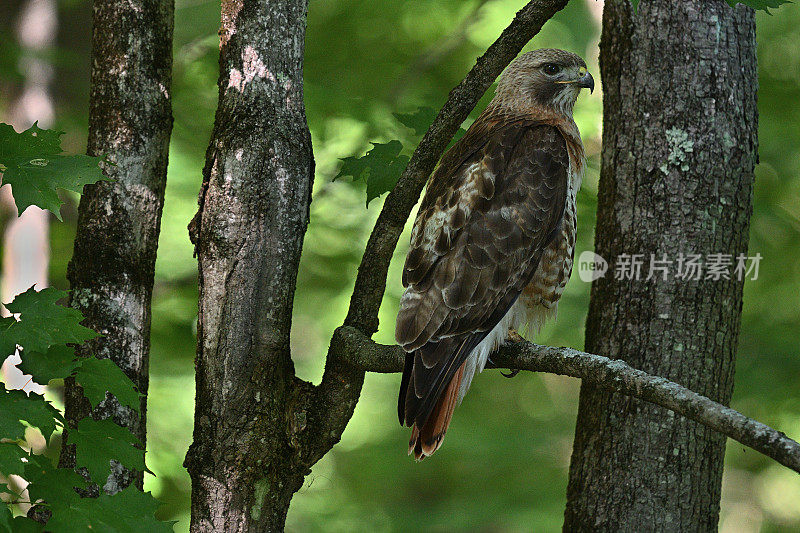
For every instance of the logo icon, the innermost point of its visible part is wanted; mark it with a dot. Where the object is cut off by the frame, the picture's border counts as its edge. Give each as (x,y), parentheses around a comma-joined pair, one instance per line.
(591,266)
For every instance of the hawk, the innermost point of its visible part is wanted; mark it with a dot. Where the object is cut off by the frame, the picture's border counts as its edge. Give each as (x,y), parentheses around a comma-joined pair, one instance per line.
(492,246)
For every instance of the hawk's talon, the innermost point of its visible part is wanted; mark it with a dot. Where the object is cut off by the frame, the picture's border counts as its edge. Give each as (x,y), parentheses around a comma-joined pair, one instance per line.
(513,337)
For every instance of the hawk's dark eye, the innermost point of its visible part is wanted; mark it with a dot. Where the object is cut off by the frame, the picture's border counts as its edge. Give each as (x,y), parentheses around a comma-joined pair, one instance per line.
(551,69)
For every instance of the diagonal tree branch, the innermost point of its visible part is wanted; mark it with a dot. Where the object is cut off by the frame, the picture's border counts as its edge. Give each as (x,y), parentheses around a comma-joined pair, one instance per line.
(371,280)
(357,350)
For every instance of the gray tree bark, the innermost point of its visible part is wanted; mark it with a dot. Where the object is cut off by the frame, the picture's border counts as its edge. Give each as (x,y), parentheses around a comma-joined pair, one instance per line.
(112,268)
(248,233)
(679,149)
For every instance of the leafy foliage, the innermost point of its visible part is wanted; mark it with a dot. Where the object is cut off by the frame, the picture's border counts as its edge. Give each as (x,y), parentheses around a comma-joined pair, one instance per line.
(764,5)
(19,524)
(33,164)
(127,511)
(42,323)
(100,441)
(17,407)
(380,168)
(98,376)
(44,333)
(6,520)
(11,456)
(419,121)
(55,363)
(45,330)
(56,486)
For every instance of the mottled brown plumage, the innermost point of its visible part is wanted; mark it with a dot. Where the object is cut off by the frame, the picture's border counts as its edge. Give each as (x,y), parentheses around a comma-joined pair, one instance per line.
(493,239)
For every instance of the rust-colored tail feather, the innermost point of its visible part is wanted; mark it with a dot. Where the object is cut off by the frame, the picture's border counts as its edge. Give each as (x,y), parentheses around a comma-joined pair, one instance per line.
(427,439)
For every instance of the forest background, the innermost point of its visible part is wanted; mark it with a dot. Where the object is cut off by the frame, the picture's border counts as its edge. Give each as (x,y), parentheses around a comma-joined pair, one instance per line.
(507,457)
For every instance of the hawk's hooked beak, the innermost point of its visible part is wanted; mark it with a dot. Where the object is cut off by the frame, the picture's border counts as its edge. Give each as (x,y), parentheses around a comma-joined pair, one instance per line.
(586,81)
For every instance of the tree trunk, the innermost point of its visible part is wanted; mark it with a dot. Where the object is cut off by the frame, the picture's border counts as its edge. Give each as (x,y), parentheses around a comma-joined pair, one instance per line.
(679,149)
(248,233)
(111,272)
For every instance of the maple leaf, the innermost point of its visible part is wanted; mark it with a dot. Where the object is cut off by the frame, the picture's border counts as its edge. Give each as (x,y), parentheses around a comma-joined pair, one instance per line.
(380,168)
(35,166)
(100,441)
(42,322)
(17,407)
(98,376)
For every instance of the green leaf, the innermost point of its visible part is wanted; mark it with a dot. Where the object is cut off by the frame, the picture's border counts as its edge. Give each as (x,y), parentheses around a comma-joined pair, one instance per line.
(18,524)
(11,456)
(56,363)
(5,519)
(100,441)
(42,323)
(128,511)
(35,167)
(353,166)
(97,376)
(16,406)
(56,486)
(380,168)
(7,345)
(635,5)
(23,524)
(419,121)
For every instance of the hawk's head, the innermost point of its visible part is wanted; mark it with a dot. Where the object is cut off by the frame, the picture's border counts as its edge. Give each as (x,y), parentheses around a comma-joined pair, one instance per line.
(546,78)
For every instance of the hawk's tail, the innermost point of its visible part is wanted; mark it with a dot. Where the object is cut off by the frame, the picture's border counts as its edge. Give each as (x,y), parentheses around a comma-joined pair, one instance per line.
(426,439)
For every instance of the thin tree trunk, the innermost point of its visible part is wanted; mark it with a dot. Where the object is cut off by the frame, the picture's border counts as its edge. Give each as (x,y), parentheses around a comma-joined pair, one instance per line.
(248,232)
(679,149)
(112,269)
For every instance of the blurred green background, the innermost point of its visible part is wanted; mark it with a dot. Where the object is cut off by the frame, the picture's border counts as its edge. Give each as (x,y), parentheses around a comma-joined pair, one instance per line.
(504,466)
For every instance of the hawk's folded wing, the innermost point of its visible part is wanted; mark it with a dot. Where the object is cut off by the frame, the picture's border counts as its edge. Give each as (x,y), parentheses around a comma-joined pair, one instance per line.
(493,205)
